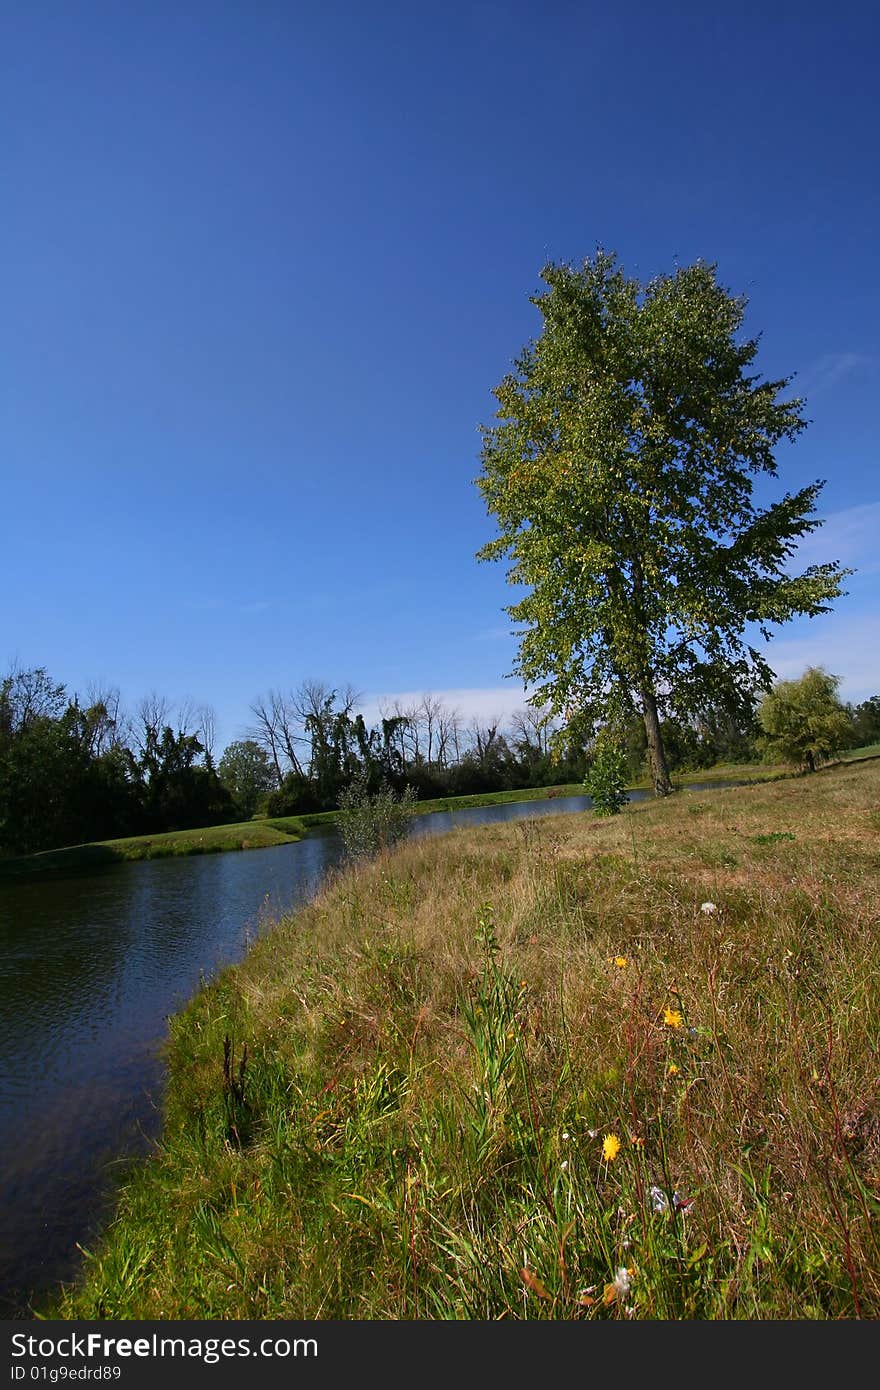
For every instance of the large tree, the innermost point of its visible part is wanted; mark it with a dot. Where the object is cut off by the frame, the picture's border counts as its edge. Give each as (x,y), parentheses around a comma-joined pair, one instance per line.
(621,476)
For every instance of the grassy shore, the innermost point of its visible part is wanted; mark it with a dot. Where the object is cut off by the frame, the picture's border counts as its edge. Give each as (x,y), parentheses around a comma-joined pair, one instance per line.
(278,830)
(560,1068)
(263,832)
(212,839)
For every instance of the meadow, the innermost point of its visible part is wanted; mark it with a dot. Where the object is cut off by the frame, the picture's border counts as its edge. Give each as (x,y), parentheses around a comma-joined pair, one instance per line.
(560,1068)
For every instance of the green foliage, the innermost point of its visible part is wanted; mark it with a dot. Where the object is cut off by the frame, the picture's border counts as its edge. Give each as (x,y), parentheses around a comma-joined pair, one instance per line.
(63,778)
(177,792)
(296,796)
(372,821)
(621,478)
(804,721)
(68,777)
(866,721)
(605,782)
(247,775)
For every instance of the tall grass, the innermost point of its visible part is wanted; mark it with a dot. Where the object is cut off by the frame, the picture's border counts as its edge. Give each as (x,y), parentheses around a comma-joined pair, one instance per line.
(556,1069)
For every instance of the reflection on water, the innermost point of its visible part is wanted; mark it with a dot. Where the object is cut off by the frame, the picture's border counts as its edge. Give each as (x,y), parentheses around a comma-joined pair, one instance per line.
(90,968)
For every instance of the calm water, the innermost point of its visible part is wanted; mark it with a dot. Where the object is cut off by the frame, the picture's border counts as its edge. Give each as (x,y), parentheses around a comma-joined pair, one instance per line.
(90,968)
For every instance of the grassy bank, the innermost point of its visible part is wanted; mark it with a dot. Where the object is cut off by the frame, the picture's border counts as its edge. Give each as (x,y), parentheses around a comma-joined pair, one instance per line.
(561,1068)
(212,839)
(259,833)
(263,832)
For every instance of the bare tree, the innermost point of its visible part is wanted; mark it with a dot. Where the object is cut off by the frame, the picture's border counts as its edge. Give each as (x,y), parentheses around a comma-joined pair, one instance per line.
(279,730)
(430,711)
(265,731)
(400,719)
(153,714)
(485,738)
(206,728)
(109,727)
(532,729)
(31,695)
(412,732)
(448,721)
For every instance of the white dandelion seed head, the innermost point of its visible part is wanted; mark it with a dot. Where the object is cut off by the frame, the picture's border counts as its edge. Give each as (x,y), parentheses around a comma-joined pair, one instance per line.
(708,908)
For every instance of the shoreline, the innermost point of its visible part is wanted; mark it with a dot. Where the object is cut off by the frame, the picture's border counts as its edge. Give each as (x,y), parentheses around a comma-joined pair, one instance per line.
(273,831)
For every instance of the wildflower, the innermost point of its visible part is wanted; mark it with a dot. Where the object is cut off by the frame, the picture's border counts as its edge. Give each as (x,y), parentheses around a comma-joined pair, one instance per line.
(610,1147)
(620,1286)
(621,962)
(659,1200)
(672,1069)
(708,908)
(565,1134)
(672,1018)
(564,1164)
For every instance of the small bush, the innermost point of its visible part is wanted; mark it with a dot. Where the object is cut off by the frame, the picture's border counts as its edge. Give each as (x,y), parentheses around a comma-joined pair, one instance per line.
(605,782)
(370,822)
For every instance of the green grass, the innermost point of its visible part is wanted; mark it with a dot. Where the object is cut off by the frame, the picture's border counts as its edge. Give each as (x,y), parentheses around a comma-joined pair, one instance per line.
(469,1080)
(213,839)
(871,750)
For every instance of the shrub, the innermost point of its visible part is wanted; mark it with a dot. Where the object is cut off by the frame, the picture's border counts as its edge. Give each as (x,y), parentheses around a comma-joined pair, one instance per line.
(605,782)
(369,822)
(803,721)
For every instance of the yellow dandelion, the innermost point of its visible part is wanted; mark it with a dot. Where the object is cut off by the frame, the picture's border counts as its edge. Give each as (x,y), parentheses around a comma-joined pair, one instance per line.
(672,1069)
(672,1018)
(621,962)
(610,1147)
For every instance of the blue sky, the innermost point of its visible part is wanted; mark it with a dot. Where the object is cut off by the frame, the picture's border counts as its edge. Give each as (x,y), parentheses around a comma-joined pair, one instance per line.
(264,264)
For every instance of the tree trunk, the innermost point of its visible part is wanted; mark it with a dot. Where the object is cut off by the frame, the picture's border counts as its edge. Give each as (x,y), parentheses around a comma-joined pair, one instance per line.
(659,768)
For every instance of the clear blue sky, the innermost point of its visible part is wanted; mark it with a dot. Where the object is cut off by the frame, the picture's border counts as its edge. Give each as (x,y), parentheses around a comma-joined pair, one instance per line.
(264,263)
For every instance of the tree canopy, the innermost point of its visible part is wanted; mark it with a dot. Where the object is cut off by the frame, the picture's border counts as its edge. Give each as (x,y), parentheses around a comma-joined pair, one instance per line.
(804,721)
(621,476)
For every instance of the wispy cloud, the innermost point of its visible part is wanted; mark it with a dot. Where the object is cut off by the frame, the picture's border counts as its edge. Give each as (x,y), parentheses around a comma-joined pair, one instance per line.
(825,373)
(483,703)
(849,536)
(847,647)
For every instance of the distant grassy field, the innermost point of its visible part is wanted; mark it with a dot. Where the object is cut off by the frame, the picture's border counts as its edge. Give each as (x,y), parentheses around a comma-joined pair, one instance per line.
(563,1068)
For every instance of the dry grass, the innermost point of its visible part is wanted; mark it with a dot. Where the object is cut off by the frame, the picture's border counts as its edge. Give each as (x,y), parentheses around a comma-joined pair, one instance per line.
(438,1046)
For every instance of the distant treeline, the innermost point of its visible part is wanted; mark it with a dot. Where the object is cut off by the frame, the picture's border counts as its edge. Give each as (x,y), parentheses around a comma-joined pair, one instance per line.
(75,769)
